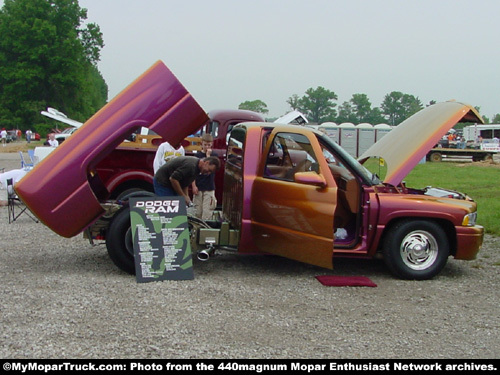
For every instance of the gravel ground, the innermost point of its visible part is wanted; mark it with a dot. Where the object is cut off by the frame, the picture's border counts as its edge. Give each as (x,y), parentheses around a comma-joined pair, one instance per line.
(62,298)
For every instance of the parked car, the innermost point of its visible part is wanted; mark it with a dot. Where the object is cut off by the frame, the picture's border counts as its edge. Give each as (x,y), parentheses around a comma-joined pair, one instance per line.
(11,136)
(62,136)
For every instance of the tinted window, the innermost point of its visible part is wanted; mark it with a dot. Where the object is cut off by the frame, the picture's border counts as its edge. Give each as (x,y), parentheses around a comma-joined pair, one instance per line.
(289,153)
(235,147)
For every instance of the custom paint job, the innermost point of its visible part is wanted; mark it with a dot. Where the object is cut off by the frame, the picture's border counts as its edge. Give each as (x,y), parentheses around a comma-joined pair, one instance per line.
(64,190)
(307,204)
(297,219)
(410,141)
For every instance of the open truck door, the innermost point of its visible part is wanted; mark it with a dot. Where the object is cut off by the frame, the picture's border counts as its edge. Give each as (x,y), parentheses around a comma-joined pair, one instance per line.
(294,199)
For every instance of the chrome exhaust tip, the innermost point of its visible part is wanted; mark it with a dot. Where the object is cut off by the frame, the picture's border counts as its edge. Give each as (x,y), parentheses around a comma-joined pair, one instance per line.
(203,255)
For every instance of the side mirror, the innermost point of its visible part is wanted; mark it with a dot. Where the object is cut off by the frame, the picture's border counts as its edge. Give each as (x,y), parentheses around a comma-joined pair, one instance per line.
(310,178)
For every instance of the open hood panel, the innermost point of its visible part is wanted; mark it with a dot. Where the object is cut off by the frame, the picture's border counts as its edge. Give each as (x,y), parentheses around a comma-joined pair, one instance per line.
(404,146)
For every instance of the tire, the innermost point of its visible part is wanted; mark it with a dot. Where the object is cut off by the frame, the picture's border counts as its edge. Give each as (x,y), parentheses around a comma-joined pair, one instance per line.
(119,241)
(416,249)
(488,157)
(435,157)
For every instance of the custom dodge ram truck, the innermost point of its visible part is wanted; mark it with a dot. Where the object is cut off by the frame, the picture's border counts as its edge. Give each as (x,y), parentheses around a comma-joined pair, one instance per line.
(288,190)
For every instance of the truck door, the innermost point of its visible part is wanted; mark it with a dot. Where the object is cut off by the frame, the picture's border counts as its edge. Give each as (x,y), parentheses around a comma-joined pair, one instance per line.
(294,200)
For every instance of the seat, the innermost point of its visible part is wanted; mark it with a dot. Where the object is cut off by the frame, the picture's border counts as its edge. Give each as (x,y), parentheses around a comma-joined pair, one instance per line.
(15,206)
(33,158)
(25,164)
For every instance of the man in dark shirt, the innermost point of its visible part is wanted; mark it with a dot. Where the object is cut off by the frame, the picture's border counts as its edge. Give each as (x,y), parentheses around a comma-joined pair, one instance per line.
(174,177)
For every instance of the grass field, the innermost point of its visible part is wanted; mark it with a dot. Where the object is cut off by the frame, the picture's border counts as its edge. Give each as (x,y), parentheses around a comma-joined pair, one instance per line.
(481,181)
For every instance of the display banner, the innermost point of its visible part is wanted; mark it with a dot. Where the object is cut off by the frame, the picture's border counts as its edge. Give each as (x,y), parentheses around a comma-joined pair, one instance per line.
(160,235)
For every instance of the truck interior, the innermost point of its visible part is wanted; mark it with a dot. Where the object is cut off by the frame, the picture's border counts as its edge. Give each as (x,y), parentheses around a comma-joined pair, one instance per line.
(293,153)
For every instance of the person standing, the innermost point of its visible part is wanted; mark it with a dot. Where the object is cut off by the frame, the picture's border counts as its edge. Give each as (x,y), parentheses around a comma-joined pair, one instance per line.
(166,152)
(52,142)
(3,135)
(204,186)
(28,135)
(175,176)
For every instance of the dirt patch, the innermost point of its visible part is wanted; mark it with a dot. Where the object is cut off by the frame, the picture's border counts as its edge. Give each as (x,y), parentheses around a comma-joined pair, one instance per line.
(487,164)
(19,146)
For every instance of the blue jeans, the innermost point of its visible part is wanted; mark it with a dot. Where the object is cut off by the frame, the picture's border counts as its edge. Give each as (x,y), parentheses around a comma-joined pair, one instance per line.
(163,191)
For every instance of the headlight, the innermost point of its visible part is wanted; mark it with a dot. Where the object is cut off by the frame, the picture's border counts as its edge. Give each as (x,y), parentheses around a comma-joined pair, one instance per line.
(470,219)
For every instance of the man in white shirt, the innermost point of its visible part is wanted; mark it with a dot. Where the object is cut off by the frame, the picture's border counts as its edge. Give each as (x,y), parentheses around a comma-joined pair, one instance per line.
(29,133)
(165,153)
(3,135)
(53,142)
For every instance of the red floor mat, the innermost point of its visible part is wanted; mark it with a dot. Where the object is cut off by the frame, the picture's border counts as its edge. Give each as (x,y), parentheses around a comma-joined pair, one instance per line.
(329,280)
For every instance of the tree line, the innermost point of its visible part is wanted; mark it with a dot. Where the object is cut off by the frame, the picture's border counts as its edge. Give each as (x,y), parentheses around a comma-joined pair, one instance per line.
(48,58)
(319,106)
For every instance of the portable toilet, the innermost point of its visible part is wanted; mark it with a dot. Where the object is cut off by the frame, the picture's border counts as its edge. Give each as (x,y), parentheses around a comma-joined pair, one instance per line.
(366,137)
(331,130)
(348,138)
(381,130)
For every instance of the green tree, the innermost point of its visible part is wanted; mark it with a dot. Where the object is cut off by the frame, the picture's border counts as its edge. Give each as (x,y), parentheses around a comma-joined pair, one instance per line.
(397,107)
(47,58)
(254,105)
(358,110)
(496,119)
(294,102)
(317,105)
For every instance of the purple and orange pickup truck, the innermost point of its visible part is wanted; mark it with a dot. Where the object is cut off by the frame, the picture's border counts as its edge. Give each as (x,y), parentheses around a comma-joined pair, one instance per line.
(288,190)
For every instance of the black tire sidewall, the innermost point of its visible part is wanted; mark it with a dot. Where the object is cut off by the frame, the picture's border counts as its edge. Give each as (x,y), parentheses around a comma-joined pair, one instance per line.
(394,238)
(436,157)
(116,241)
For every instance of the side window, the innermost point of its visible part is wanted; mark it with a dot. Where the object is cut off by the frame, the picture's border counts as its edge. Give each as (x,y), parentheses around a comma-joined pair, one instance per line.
(213,128)
(289,153)
(235,147)
(229,129)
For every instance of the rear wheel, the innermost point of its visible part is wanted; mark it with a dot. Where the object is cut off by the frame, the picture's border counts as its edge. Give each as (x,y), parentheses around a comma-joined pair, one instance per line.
(119,241)
(416,249)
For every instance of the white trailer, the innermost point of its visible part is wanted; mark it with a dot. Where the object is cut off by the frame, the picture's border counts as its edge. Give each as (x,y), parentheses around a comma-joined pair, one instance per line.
(487,132)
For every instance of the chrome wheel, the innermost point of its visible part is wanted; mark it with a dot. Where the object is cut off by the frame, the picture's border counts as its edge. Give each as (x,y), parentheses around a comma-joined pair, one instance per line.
(419,250)
(416,249)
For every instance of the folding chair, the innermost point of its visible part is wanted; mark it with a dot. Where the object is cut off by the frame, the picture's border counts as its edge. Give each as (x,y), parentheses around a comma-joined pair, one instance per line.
(15,204)
(33,158)
(24,164)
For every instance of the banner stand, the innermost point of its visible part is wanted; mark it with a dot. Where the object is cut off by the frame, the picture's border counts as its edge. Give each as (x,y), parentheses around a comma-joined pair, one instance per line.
(160,235)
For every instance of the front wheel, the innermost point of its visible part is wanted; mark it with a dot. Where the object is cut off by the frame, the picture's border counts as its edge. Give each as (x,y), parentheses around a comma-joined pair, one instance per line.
(416,249)
(436,157)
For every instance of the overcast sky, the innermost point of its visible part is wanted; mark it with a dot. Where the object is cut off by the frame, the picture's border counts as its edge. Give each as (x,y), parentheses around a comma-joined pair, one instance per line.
(229,51)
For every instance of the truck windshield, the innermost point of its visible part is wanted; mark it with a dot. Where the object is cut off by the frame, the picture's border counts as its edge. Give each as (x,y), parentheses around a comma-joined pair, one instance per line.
(368,177)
